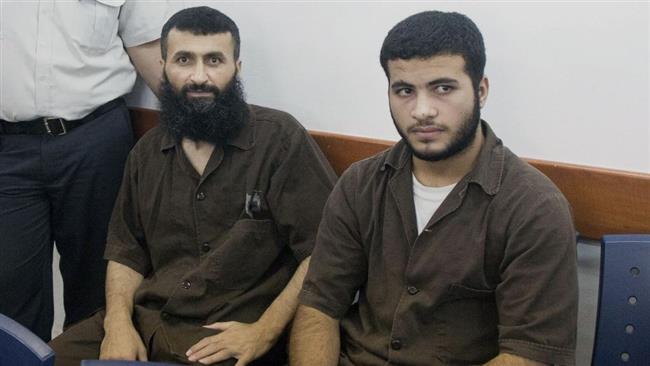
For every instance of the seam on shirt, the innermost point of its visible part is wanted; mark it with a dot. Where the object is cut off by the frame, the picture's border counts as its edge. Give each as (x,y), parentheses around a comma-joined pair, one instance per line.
(401,298)
(498,154)
(316,302)
(328,309)
(118,258)
(392,327)
(569,351)
(284,154)
(551,198)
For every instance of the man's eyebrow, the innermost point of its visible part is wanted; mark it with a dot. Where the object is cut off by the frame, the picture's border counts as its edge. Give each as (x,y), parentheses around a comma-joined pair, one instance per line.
(403,84)
(400,84)
(182,54)
(442,81)
(217,54)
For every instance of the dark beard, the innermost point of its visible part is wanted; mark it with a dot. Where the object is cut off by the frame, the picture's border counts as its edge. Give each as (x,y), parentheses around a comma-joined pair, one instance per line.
(215,120)
(461,141)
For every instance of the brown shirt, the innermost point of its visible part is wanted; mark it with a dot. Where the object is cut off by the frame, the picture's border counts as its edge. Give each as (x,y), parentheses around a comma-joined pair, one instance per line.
(494,270)
(205,256)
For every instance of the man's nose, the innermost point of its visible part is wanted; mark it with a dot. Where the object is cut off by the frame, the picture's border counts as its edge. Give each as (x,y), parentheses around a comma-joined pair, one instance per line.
(425,108)
(199,75)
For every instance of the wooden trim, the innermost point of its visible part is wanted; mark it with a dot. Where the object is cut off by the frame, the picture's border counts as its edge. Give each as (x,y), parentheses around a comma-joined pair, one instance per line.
(604,201)
(143,120)
(343,150)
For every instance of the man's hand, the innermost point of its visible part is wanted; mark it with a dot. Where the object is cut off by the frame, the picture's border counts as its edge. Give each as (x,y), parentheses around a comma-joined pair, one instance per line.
(122,343)
(507,359)
(245,342)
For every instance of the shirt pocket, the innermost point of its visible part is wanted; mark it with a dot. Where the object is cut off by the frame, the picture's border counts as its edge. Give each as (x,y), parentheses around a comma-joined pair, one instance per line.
(248,250)
(94,24)
(468,319)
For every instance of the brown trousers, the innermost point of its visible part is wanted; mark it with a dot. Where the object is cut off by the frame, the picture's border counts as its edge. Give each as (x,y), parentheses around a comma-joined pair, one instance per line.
(83,340)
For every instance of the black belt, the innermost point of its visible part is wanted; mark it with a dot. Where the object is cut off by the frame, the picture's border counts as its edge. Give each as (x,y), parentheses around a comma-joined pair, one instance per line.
(51,125)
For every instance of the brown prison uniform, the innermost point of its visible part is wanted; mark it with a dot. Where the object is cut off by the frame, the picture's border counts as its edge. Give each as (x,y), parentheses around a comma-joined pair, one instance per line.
(216,247)
(493,271)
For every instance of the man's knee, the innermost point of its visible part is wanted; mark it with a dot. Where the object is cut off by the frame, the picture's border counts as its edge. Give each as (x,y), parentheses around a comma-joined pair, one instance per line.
(80,341)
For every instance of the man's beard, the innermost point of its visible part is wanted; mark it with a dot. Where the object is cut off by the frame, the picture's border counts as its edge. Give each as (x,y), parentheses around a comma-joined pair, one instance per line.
(215,120)
(463,137)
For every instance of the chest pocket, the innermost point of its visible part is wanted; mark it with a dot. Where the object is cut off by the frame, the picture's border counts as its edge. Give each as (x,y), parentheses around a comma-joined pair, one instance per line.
(245,255)
(251,246)
(93,24)
(472,336)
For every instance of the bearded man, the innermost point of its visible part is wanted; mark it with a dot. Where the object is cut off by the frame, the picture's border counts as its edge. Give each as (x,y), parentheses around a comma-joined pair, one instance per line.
(215,221)
(459,251)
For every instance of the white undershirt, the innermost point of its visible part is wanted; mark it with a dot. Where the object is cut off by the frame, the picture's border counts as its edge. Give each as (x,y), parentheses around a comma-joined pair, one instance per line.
(427,200)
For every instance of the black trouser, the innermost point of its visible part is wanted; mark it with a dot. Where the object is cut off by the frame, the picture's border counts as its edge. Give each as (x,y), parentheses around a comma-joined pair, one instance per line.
(58,189)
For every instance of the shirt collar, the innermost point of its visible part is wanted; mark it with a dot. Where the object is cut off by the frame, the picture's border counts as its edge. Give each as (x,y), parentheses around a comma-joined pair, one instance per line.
(245,139)
(397,157)
(487,172)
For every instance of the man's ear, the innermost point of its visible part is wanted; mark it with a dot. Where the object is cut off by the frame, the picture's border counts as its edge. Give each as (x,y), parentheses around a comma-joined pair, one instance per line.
(483,90)
(238,66)
(162,70)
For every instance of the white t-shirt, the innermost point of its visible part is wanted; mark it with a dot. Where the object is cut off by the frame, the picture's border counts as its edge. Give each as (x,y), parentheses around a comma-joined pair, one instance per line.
(427,200)
(66,58)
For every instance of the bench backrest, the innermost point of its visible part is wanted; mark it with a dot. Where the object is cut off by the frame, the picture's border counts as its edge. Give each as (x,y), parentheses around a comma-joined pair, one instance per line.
(623,317)
(604,201)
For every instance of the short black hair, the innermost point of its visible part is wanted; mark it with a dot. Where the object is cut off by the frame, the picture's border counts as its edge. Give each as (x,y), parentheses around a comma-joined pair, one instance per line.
(202,20)
(433,33)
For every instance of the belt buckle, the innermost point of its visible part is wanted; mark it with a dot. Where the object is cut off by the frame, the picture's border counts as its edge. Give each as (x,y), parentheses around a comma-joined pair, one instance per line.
(62,130)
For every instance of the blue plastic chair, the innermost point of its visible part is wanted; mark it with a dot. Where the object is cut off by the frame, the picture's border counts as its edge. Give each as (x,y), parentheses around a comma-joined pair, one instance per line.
(123,363)
(20,347)
(623,318)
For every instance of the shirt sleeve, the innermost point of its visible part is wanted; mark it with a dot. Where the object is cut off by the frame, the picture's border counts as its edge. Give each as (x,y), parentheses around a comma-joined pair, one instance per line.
(298,190)
(537,298)
(338,267)
(141,21)
(125,241)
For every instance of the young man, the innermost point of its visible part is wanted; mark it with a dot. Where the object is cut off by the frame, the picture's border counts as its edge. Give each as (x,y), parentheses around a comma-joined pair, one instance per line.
(459,251)
(215,221)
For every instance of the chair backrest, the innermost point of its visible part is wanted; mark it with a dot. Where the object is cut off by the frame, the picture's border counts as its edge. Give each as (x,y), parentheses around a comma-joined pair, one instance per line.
(623,318)
(123,363)
(21,347)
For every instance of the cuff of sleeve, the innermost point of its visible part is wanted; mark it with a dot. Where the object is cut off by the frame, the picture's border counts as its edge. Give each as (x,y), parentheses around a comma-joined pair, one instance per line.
(335,311)
(115,256)
(538,352)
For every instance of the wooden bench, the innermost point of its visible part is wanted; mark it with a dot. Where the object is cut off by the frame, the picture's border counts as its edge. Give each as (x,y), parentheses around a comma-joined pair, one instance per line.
(604,201)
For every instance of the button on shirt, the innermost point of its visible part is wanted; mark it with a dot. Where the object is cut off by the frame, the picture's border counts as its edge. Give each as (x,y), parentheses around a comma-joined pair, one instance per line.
(204,257)
(66,58)
(495,271)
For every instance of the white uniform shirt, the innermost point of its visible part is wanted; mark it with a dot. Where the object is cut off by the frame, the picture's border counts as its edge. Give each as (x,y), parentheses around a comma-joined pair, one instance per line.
(66,58)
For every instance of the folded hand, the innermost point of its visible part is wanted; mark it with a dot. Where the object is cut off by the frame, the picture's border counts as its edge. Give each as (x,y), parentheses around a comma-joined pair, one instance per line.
(245,342)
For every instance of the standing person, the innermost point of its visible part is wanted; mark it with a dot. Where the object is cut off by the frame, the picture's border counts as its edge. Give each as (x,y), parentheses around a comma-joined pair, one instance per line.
(461,253)
(64,137)
(215,221)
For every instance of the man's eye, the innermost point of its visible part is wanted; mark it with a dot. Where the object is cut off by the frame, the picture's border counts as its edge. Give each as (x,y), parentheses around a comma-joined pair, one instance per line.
(182,60)
(443,89)
(214,60)
(404,92)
